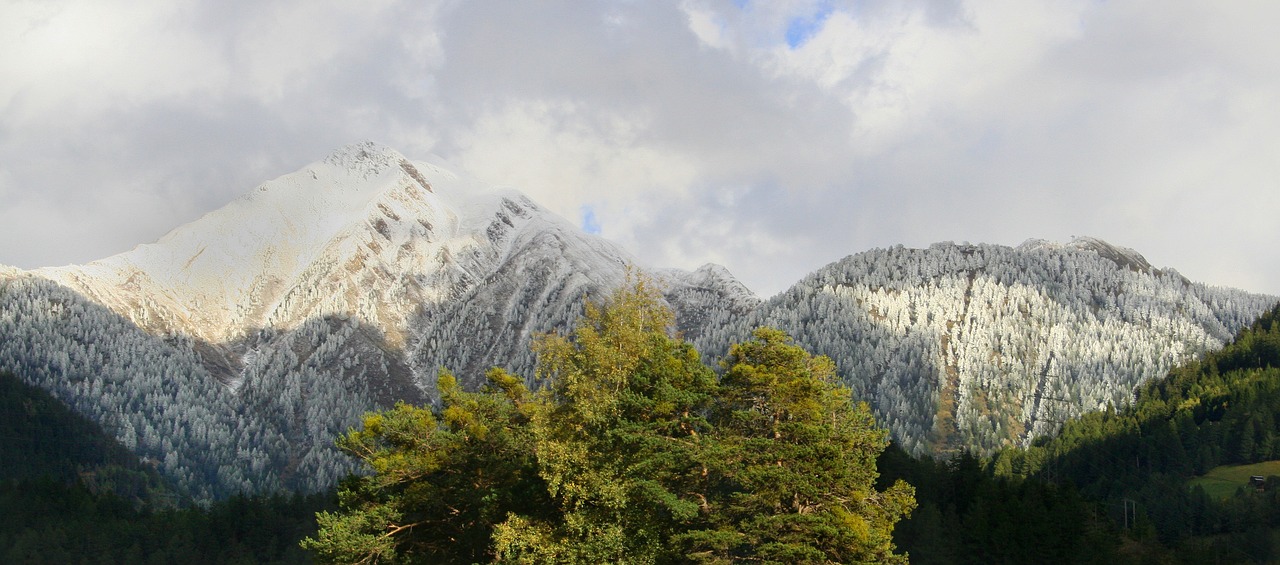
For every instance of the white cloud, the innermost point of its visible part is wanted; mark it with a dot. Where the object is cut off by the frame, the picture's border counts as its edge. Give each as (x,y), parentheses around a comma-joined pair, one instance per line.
(565,157)
(73,60)
(707,25)
(692,131)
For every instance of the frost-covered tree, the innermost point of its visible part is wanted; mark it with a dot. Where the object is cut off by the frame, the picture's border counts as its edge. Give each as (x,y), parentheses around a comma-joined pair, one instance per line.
(983,346)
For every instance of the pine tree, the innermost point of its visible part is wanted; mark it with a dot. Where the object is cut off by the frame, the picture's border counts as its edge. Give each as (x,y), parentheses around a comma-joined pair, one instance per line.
(633,452)
(618,432)
(440,482)
(793,465)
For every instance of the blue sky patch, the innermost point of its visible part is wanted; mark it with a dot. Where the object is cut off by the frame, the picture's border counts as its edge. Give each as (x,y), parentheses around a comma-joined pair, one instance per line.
(801,29)
(590,224)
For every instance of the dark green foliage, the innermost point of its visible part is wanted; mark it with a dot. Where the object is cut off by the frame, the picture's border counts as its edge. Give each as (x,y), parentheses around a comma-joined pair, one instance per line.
(48,521)
(40,437)
(70,494)
(967,515)
(794,464)
(440,482)
(620,438)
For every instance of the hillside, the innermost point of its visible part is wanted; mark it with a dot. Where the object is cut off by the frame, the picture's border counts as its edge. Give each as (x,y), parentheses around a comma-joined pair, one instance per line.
(234,350)
(1142,484)
(41,438)
(985,346)
(1218,410)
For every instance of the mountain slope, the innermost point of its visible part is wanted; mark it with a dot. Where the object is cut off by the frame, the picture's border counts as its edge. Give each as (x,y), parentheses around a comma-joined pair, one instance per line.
(237,347)
(982,346)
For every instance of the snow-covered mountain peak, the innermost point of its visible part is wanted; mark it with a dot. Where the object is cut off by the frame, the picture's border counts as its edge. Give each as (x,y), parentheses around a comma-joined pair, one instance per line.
(364,232)
(1122,256)
(365,157)
(708,276)
(365,205)
(710,271)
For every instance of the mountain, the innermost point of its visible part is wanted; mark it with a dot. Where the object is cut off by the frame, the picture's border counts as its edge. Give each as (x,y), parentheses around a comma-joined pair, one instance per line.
(1167,479)
(236,348)
(231,352)
(365,233)
(978,347)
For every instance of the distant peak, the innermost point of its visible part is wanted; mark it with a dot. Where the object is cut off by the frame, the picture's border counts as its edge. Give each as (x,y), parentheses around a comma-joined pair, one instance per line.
(365,157)
(1121,256)
(1036,243)
(714,271)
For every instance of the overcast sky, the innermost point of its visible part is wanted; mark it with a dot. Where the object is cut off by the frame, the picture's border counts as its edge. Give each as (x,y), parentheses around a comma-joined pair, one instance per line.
(771,137)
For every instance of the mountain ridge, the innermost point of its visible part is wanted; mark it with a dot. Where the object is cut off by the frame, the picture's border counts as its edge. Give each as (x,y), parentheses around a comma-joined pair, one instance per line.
(236,353)
(424,269)
(959,345)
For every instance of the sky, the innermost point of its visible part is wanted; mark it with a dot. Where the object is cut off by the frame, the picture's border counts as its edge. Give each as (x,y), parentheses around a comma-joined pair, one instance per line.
(772,137)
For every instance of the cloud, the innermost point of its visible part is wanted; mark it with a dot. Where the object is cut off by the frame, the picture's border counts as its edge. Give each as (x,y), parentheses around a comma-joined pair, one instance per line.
(771,137)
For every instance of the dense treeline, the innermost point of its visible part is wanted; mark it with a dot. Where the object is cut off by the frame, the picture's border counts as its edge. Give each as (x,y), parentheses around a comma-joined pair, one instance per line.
(49,521)
(40,437)
(71,494)
(153,394)
(968,515)
(1219,410)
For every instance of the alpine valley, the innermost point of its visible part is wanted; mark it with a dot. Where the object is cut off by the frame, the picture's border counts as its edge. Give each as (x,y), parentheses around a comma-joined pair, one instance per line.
(231,353)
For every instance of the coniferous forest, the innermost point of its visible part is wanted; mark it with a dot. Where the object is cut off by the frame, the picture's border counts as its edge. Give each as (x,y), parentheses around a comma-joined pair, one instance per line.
(1119,485)
(71,494)
(678,461)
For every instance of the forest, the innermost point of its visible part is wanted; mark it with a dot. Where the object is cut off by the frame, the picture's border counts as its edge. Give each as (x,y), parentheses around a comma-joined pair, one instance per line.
(1119,485)
(1114,486)
(634,452)
(71,494)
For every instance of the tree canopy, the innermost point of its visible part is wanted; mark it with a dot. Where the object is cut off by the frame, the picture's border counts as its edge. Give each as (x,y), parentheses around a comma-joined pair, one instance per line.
(631,451)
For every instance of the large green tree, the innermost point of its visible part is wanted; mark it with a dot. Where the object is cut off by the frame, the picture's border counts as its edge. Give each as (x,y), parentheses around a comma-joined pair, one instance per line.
(632,451)
(619,431)
(794,465)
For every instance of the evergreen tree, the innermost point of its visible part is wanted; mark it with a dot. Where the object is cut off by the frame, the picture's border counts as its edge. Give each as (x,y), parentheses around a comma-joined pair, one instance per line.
(440,482)
(619,430)
(793,465)
(633,452)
